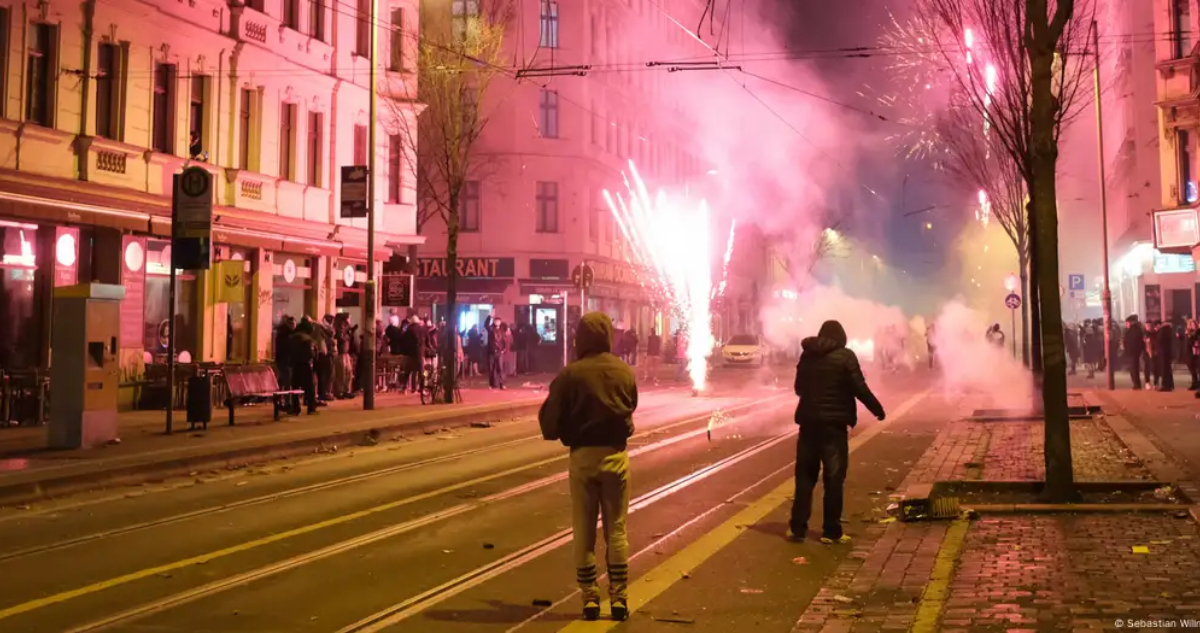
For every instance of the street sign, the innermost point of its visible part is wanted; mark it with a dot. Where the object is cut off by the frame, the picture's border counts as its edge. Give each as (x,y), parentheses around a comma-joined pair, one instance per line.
(1013,301)
(1075,282)
(354,192)
(398,291)
(192,204)
(583,276)
(191,220)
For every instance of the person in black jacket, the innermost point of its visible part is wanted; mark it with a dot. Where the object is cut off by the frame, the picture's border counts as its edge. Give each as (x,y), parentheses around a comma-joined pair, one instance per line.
(1135,349)
(1166,356)
(589,408)
(828,381)
(304,346)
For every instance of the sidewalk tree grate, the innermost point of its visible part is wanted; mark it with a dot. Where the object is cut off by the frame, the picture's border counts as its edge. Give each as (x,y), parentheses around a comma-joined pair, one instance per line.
(1084,412)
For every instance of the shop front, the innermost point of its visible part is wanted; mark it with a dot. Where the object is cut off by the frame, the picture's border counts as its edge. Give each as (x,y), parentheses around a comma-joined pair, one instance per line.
(482,288)
(1153,285)
(36,259)
(292,288)
(350,288)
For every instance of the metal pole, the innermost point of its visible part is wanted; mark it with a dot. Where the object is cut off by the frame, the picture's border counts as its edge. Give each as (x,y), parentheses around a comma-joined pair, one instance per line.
(1107,298)
(171,344)
(564,327)
(368,381)
(1013,312)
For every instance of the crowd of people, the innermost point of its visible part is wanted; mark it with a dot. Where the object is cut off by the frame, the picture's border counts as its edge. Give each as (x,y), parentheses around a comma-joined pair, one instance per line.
(1148,351)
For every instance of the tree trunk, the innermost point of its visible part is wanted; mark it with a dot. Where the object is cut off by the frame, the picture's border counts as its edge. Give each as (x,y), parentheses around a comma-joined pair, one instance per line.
(1043,192)
(1023,262)
(1035,303)
(448,343)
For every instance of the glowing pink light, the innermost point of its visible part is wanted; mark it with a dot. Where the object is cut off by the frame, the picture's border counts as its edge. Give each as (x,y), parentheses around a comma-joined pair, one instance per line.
(670,238)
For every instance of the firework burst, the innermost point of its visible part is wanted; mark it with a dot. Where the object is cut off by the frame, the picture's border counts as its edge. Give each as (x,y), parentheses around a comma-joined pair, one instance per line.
(669,240)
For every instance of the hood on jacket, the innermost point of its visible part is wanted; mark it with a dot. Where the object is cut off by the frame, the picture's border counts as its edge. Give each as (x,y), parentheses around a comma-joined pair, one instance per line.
(831,336)
(593,335)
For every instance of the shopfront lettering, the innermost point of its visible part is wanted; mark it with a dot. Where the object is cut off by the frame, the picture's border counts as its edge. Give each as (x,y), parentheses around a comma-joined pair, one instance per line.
(614,273)
(468,267)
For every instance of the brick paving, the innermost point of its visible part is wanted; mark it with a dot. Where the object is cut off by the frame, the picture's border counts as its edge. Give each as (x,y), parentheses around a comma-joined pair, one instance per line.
(1047,572)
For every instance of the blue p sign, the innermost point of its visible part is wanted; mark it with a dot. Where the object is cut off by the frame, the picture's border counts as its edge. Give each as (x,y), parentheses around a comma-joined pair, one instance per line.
(1075,283)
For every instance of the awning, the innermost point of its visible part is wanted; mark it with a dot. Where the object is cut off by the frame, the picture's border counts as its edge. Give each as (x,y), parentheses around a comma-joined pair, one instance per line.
(42,209)
(437,285)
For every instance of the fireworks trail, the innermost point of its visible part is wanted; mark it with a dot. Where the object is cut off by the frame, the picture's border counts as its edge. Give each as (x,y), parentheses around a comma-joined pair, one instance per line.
(720,291)
(670,239)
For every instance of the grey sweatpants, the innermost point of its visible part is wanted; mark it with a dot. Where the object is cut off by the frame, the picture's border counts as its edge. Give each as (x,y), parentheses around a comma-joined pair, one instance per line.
(600,490)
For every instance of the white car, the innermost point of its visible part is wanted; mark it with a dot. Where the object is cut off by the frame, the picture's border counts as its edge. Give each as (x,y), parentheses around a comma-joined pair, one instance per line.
(744,349)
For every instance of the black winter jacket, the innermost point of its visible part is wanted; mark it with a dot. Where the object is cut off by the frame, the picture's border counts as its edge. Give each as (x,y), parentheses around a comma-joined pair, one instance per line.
(829,380)
(591,402)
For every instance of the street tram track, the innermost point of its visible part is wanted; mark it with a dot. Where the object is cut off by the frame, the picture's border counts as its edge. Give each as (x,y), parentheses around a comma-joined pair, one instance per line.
(302,490)
(764,405)
(449,589)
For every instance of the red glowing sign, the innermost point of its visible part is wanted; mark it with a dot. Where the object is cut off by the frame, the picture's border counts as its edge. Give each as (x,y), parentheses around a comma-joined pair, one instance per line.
(1178,229)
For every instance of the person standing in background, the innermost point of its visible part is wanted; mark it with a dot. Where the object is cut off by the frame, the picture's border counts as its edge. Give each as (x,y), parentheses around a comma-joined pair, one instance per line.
(653,355)
(1166,356)
(1135,350)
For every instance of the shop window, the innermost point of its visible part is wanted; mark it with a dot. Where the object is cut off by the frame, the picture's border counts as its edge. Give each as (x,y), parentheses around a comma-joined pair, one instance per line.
(156,322)
(164,109)
(19,329)
(111,64)
(41,74)
(237,321)
(292,284)
(350,300)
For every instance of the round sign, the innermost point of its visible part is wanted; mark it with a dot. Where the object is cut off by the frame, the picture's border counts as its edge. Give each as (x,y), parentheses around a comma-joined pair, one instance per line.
(134,256)
(164,258)
(289,270)
(64,250)
(348,276)
(1013,301)
(194,182)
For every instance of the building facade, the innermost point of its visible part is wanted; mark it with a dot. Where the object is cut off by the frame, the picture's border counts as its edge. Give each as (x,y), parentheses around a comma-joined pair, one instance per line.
(102,103)
(551,146)
(1153,261)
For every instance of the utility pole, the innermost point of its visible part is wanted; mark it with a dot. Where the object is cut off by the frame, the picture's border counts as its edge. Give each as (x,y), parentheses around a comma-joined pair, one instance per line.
(1107,297)
(369,327)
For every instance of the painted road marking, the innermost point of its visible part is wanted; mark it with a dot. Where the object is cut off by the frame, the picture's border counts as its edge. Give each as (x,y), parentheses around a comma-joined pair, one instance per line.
(664,576)
(933,600)
(281,536)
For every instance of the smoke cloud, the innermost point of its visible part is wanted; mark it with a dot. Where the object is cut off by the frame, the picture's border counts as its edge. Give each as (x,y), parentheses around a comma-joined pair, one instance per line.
(970,365)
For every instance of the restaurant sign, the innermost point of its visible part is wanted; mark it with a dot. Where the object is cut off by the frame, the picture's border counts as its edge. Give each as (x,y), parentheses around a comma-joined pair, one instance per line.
(468,267)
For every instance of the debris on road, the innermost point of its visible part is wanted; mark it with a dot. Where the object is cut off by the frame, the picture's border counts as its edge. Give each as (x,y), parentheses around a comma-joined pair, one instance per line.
(800,560)
(489,546)
(23,506)
(1141,549)
(447,551)
(749,590)
(242,483)
(114,441)
(843,599)
(481,425)
(1165,493)
(324,449)
(673,620)
(540,602)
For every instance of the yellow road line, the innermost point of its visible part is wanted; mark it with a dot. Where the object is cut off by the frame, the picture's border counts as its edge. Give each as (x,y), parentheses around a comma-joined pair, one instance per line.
(664,576)
(346,518)
(933,600)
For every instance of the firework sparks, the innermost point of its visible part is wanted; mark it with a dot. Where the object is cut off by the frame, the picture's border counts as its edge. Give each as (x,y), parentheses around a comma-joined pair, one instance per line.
(670,239)
(720,292)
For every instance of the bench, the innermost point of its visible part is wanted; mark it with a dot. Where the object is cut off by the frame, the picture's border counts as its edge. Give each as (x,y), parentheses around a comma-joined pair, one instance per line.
(257,383)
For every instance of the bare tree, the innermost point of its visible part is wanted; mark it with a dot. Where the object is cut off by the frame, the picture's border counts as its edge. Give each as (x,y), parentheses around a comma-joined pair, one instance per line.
(798,262)
(975,160)
(459,54)
(1022,66)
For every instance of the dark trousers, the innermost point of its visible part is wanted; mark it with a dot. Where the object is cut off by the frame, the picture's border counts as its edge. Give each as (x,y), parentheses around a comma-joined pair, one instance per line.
(324,376)
(820,448)
(303,378)
(1135,371)
(522,361)
(495,371)
(410,371)
(1193,371)
(1166,373)
(1147,369)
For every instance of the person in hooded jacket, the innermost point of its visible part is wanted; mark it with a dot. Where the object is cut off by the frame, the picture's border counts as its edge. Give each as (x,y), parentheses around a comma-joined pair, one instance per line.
(1165,352)
(304,348)
(589,408)
(828,381)
(1135,349)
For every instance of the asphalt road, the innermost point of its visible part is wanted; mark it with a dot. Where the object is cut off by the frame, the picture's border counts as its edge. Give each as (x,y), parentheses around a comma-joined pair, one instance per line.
(458,531)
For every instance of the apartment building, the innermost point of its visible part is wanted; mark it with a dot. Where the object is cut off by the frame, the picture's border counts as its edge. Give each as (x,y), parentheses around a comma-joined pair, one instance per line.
(551,146)
(102,102)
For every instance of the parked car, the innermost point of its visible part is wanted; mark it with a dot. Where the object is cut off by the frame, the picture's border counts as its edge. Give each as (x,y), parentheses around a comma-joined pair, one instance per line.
(744,349)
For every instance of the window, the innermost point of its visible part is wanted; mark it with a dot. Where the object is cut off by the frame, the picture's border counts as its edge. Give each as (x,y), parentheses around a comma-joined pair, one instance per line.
(1187,165)
(197,113)
(594,225)
(547,207)
(396,58)
(111,62)
(164,109)
(316,133)
(291,14)
(1182,27)
(257,5)
(316,19)
(41,74)
(548,113)
(549,31)
(395,167)
(362,31)
(468,207)
(595,37)
(360,145)
(245,128)
(462,12)
(4,23)
(287,141)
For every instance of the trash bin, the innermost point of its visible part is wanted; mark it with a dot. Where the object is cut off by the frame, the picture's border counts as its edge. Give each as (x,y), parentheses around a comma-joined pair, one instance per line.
(199,400)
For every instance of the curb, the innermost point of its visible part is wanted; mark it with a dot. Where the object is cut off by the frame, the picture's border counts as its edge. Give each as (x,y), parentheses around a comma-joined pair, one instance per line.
(134,474)
(1052,508)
